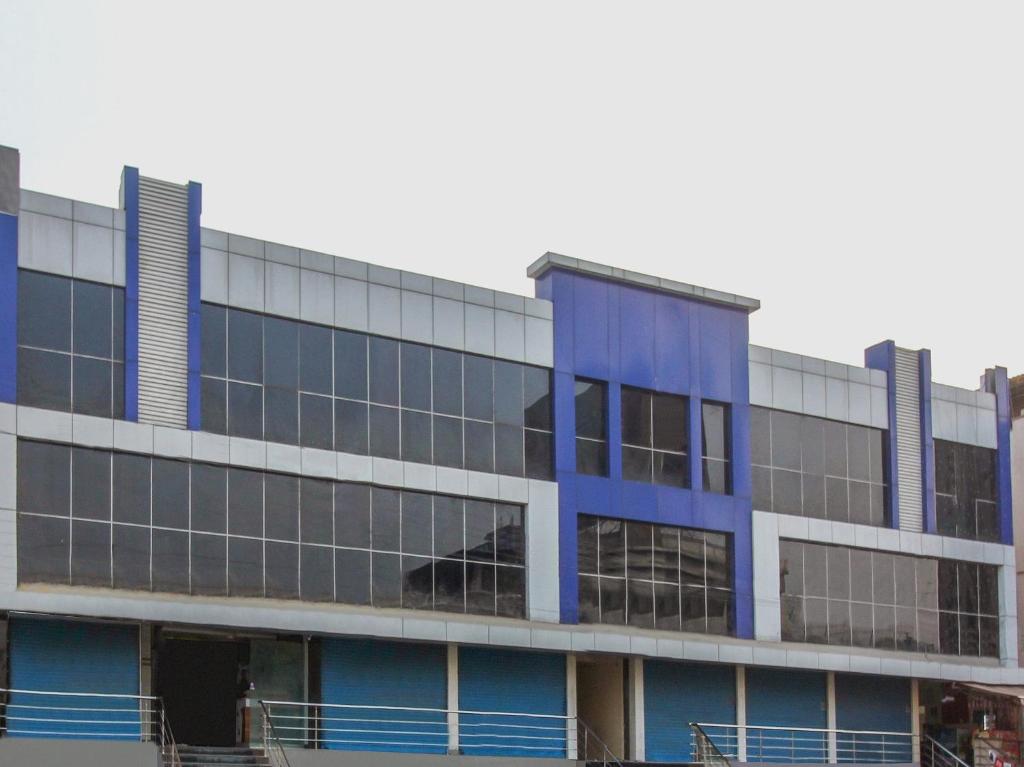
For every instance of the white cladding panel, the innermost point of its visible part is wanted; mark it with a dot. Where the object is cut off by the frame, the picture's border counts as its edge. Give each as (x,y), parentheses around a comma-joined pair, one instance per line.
(163,303)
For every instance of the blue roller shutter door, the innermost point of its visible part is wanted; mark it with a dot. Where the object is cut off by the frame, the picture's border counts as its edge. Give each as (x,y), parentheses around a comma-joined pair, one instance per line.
(410,679)
(786,698)
(676,694)
(496,683)
(74,657)
(874,703)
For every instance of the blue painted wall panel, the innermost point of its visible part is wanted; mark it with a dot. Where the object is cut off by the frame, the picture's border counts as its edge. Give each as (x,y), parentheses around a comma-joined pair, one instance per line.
(997,382)
(511,682)
(8,308)
(70,656)
(676,694)
(130,189)
(882,356)
(929,521)
(786,698)
(361,673)
(877,704)
(195,209)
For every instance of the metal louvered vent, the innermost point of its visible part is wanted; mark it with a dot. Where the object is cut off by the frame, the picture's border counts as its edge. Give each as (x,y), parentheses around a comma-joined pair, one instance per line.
(908,440)
(163,303)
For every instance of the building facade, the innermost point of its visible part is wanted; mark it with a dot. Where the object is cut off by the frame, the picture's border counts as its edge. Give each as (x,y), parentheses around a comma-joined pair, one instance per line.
(234,471)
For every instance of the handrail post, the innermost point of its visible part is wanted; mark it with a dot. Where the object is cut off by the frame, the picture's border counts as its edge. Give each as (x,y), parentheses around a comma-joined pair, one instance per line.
(572,733)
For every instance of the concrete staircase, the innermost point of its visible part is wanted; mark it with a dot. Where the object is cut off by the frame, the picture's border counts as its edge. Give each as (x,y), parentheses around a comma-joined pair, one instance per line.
(210,756)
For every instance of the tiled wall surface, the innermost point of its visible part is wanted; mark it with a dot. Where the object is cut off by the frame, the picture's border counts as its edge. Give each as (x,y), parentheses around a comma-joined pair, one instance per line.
(799,384)
(962,415)
(71,238)
(315,287)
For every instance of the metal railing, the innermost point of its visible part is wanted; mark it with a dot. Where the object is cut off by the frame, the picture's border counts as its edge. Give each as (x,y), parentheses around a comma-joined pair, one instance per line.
(272,745)
(811,745)
(355,727)
(87,715)
(704,749)
(934,754)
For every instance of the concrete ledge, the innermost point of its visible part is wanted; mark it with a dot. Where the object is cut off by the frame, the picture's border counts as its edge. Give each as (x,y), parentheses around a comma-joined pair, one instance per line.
(298,757)
(45,752)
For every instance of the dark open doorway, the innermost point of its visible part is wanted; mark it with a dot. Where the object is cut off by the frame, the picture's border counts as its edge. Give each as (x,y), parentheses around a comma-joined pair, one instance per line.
(198,681)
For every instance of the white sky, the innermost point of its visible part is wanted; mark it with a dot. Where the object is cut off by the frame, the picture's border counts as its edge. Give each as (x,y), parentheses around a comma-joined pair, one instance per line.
(857,166)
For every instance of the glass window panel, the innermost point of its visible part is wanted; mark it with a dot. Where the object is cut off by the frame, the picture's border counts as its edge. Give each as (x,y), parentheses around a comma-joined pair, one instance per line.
(44,310)
(352,515)
(885,626)
(90,484)
(508,450)
(816,620)
(447,382)
(906,629)
(537,396)
(812,445)
(860,572)
(316,571)
(791,567)
(948,589)
(316,421)
(927,631)
(281,416)
(209,565)
(720,612)
(988,590)
(860,503)
(591,410)
(480,537)
(384,383)
(837,500)
(352,576)
(351,427)
(906,581)
(786,442)
(838,572)
(214,405)
(245,410)
(316,511)
(281,347)
(448,527)
(814,505)
(170,560)
(245,567)
(417,525)
(693,608)
(415,376)
(786,492)
(209,498)
(480,588)
(44,478)
(862,622)
(987,513)
(718,560)
(815,570)
(478,374)
(586,538)
(130,551)
(44,379)
(539,460)
(670,422)
(673,469)
(666,554)
(90,553)
(417,583)
(386,519)
(282,507)
(858,452)
(416,436)
(967,577)
(589,596)
(883,578)
(315,358)
(213,339)
(640,603)
(876,455)
(384,432)
(131,489)
(91,392)
(793,619)
(927,577)
(760,436)
(637,463)
(762,488)
(449,585)
(716,476)
(510,588)
(117,324)
(117,370)
(612,547)
(170,494)
(245,502)
(613,601)
(282,570)
(91,323)
(43,549)
(636,416)
(350,367)
(839,622)
(639,553)
(447,441)
(835,449)
(245,346)
(969,636)
(949,634)
(479,446)
(666,607)
(988,637)
(714,430)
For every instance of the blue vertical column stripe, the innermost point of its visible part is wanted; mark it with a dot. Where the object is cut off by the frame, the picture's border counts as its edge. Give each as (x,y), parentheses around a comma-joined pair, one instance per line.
(997,382)
(195,210)
(8,308)
(924,366)
(882,356)
(130,201)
